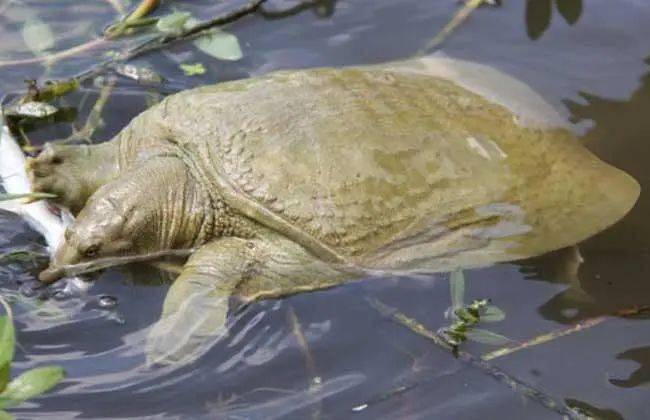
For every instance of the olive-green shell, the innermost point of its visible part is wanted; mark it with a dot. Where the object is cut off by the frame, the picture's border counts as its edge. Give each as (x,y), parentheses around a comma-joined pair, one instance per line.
(394,169)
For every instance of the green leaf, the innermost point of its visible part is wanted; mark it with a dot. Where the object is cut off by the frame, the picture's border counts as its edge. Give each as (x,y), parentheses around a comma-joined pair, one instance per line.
(37,36)
(193,69)
(457,288)
(538,17)
(30,384)
(492,314)
(7,344)
(221,45)
(5,416)
(173,23)
(34,195)
(486,337)
(571,10)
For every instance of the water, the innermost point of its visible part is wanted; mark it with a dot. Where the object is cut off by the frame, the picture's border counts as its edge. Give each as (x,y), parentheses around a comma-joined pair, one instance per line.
(595,71)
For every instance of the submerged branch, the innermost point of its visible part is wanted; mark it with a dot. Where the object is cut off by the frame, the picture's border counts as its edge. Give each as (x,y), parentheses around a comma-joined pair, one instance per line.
(513,383)
(94,119)
(310,365)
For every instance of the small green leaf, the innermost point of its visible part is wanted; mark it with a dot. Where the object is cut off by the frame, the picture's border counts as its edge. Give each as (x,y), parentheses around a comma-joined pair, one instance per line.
(7,344)
(173,23)
(486,337)
(466,316)
(492,314)
(193,69)
(5,416)
(37,36)
(30,384)
(457,287)
(221,45)
(570,10)
(538,17)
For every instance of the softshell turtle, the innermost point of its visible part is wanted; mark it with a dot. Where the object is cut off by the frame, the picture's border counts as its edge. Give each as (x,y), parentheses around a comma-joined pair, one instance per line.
(301,180)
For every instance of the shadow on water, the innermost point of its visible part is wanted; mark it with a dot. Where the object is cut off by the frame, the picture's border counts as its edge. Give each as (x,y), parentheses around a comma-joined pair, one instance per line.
(611,277)
(262,372)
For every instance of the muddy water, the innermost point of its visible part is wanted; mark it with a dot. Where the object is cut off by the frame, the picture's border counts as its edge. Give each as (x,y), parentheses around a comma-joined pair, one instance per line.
(594,70)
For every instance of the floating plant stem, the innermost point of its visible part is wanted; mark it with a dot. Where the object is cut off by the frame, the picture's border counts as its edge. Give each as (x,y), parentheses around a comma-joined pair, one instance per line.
(30,197)
(513,383)
(454,23)
(544,338)
(550,336)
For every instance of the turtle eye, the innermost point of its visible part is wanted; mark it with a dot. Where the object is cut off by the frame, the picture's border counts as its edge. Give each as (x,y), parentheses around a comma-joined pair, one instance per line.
(91,251)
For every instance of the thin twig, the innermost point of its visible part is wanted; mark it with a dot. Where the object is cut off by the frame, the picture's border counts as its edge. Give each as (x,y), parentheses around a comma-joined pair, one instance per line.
(456,21)
(73,270)
(94,117)
(310,365)
(147,46)
(544,338)
(513,383)
(87,46)
(145,6)
(548,337)
(194,31)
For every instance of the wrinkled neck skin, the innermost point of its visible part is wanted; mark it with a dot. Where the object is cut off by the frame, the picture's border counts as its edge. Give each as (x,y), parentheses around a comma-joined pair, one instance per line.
(164,206)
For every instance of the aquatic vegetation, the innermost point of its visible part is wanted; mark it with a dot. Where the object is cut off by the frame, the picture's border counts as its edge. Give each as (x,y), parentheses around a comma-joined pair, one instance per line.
(29,384)
(466,318)
(193,69)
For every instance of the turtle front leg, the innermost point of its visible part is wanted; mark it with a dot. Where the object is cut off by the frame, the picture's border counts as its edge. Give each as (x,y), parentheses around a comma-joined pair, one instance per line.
(195,310)
(196,307)
(73,172)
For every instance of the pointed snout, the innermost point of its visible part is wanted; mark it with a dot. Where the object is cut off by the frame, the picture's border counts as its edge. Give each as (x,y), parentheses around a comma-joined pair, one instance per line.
(64,256)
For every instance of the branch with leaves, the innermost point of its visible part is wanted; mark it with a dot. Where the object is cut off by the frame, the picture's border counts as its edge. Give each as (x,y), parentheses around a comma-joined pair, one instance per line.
(513,383)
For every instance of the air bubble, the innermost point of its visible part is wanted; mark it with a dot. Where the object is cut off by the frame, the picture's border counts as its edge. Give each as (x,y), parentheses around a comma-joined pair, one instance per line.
(106,301)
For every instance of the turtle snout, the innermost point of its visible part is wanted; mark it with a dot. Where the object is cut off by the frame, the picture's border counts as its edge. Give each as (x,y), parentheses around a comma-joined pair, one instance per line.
(64,256)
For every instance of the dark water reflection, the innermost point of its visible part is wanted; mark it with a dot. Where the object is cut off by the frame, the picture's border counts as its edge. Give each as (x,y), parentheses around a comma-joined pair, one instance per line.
(587,59)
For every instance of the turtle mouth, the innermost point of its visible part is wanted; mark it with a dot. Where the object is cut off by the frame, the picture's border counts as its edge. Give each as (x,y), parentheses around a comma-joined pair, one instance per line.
(51,274)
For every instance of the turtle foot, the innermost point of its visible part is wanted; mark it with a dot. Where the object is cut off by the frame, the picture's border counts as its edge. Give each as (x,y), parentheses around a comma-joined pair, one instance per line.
(62,171)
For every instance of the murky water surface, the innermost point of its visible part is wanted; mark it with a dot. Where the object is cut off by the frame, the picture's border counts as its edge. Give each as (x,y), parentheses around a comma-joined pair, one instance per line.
(595,71)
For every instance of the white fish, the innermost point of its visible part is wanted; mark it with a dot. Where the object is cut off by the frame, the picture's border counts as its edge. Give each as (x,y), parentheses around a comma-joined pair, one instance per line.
(38,215)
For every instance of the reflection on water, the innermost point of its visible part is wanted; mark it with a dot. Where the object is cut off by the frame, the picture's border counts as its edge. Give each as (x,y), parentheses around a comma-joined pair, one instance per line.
(641,375)
(589,56)
(539,14)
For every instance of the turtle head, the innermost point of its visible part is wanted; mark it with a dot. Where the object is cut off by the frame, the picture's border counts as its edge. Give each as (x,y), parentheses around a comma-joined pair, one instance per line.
(100,231)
